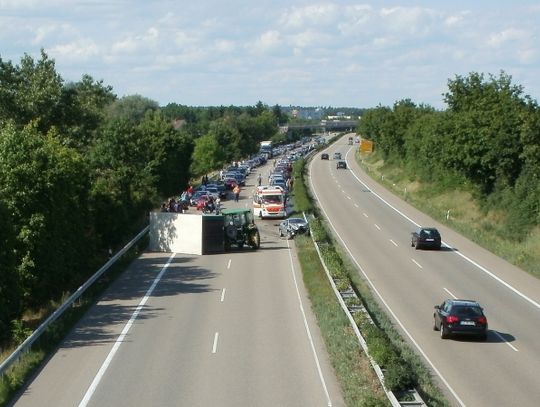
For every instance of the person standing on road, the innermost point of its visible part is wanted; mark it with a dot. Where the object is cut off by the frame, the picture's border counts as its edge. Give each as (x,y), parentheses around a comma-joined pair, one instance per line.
(236,192)
(259,179)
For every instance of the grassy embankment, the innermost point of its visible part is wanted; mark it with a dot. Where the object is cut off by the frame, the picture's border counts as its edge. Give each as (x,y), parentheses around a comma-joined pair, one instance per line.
(465,214)
(359,382)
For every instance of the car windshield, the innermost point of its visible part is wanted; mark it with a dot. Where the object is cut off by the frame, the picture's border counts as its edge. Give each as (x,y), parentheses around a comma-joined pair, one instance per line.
(296,220)
(273,199)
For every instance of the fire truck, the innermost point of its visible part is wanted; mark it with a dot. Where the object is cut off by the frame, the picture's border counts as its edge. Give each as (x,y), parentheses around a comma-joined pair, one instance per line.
(269,202)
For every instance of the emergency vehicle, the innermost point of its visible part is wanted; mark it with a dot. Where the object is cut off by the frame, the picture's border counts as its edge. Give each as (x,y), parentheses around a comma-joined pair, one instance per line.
(269,202)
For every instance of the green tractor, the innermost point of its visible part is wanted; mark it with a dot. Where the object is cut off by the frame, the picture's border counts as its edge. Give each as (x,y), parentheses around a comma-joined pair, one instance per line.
(240,229)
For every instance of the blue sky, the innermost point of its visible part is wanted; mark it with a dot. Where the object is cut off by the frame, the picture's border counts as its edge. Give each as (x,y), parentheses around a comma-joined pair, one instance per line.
(309,53)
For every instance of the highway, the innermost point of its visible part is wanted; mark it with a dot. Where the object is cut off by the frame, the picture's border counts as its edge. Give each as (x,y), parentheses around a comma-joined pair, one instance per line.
(231,329)
(374,226)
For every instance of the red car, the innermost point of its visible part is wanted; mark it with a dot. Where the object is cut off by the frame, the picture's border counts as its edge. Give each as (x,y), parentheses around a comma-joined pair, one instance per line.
(201,202)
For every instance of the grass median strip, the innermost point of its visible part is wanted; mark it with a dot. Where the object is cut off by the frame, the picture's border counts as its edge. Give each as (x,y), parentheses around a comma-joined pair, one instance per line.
(403,367)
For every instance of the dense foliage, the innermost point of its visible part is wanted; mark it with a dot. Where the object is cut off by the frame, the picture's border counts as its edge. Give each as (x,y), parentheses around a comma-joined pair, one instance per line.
(488,141)
(80,168)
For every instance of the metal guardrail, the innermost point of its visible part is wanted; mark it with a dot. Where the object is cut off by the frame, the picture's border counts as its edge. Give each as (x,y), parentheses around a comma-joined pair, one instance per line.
(25,346)
(391,397)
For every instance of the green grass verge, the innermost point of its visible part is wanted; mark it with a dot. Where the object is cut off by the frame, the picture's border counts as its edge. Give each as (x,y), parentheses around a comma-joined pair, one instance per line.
(403,367)
(464,214)
(358,381)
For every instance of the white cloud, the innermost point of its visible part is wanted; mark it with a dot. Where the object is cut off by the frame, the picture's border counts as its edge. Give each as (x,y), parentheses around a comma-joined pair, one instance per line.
(132,44)
(313,15)
(410,20)
(80,50)
(43,32)
(212,42)
(268,41)
(503,37)
(224,46)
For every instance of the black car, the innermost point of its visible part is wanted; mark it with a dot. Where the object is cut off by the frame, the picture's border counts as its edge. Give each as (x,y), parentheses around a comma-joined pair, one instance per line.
(325,156)
(460,317)
(292,227)
(341,164)
(426,237)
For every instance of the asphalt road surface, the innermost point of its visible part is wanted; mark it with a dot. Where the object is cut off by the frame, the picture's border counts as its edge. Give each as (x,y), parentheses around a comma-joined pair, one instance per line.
(374,226)
(231,329)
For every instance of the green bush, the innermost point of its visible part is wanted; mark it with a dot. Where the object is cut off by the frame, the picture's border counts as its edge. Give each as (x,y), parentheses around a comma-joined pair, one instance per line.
(398,376)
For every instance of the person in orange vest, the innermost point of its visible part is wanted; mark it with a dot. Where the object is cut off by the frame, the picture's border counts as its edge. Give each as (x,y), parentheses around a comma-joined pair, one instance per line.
(236,192)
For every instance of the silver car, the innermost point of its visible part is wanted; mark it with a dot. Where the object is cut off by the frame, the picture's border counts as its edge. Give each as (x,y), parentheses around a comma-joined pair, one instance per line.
(292,227)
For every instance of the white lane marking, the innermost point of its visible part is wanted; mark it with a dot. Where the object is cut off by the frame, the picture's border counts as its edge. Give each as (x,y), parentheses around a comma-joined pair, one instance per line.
(223,295)
(458,399)
(394,243)
(229,264)
(418,264)
(214,347)
(451,294)
(308,331)
(505,341)
(377,226)
(356,205)
(485,270)
(365,215)
(348,197)
(89,393)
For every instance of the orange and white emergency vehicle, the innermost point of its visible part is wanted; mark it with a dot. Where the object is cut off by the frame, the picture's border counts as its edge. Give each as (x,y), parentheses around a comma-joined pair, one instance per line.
(269,202)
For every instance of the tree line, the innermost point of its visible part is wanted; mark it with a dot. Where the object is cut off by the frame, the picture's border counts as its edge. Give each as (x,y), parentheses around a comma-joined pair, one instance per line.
(80,169)
(487,141)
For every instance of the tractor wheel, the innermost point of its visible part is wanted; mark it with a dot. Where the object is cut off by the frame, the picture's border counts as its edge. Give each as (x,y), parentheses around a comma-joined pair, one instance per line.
(255,240)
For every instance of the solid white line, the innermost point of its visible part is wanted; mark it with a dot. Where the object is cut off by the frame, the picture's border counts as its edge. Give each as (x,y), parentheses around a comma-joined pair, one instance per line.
(489,273)
(214,347)
(229,264)
(222,295)
(377,226)
(394,243)
(119,341)
(451,295)
(418,264)
(308,331)
(505,341)
(458,399)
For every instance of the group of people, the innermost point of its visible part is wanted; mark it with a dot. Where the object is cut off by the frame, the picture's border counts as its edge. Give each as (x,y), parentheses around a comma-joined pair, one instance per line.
(212,205)
(173,205)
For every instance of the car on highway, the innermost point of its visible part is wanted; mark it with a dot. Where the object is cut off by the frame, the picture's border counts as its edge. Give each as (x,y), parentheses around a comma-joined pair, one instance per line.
(325,156)
(462,317)
(337,156)
(195,197)
(426,237)
(341,164)
(292,227)
(203,200)
(230,183)
(217,189)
